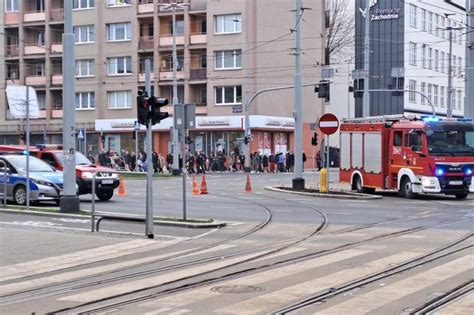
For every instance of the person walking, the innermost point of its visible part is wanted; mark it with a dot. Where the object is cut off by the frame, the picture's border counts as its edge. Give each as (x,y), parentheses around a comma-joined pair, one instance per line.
(265,163)
(304,159)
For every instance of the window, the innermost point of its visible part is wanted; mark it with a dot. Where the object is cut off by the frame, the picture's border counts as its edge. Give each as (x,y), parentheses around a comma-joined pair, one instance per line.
(423,57)
(412,56)
(228,59)
(443,26)
(85,100)
(442,96)
(398,138)
(84,34)
(430,91)
(119,31)
(423,20)
(179,27)
(39,70)
(228,95)
(412,95)
(453,64)
(412,15)
(459,99)
(436,25)
(453,99)
(230,23)
(41,98)
(11,5)
(435,94)
(423,90)
(119,65)
(436,60)
(119,99)
(430,22)
(459,67)
(39,37)
(82,4)
(441,59)
(430,58)
(85,68)
(118,3)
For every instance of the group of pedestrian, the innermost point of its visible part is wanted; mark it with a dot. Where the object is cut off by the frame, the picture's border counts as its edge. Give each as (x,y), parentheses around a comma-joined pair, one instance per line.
(280,162)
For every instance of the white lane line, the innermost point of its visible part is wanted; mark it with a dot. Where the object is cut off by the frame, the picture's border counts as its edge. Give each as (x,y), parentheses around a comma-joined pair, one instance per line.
(372,300)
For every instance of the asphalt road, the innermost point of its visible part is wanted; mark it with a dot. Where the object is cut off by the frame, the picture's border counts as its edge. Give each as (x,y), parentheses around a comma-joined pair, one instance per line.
(278,251)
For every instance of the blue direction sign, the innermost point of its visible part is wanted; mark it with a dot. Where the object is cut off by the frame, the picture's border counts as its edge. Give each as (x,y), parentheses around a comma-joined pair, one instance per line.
(80,134)
(136,125)
(237,109)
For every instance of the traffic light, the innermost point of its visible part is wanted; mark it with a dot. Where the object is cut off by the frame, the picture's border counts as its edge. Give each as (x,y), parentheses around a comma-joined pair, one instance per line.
(156,114)
(247,139)
(23,136)
(142,108)
(189,140)
(323,90)
(314,139)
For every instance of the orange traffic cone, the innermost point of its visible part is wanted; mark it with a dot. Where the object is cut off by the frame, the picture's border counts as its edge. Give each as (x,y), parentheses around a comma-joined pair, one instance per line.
(195,186)
(204,186)
(121,188)
(248,187)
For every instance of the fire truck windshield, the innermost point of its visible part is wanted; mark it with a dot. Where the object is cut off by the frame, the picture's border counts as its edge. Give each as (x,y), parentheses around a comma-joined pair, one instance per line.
(450,139)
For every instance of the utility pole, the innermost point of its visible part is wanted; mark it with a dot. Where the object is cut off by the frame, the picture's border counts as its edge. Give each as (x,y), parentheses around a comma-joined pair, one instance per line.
(366,99)
(175,143)
(69,200)
(449,108)
(298,180)
(149,157)
(27,148)
(469,102)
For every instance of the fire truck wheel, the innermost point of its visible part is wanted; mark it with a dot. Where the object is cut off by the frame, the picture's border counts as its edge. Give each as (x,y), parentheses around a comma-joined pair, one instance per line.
(357,184)
(406,188)
(461,196)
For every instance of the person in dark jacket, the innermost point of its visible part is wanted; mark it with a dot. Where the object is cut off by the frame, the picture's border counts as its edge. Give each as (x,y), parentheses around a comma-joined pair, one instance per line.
(304,159)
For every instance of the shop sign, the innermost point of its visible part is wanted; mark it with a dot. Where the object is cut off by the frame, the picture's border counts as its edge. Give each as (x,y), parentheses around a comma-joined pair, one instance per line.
(214,122)
(273,122)
(288,124)
(122,124)
(385,14)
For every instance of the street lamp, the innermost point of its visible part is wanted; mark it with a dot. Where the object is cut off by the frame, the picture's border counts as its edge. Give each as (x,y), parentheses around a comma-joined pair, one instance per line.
(173,6)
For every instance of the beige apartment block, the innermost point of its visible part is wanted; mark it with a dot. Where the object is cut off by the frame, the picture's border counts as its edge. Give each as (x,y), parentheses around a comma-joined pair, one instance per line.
(227,51)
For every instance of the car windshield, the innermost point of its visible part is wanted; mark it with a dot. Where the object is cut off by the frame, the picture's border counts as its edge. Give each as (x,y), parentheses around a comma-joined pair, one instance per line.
(451,140)
(36,165)
(80,158)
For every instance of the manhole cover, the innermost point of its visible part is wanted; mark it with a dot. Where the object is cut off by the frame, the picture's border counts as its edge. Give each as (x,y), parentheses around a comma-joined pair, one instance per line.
(236,289)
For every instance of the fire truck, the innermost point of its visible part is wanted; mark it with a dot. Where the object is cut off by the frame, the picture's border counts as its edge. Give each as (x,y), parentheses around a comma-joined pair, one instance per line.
(414,155)
(106,179)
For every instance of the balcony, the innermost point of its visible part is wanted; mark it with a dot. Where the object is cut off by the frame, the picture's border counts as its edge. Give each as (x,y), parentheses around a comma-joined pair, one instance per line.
(167,74)
(57,113)
(144,8)
(12,51)
(42,113)
(198,39)
(57,48)
(11,81)
(34,49)
(198,5)
(57,107)
(198,74)
(168,40)
(34,16)
(141,77)
(11,18)
(145,42)
(57,79)
(57,15)
(35,80)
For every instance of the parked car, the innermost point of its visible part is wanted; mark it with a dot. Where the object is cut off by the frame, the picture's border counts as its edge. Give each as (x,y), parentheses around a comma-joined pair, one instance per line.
(46,183)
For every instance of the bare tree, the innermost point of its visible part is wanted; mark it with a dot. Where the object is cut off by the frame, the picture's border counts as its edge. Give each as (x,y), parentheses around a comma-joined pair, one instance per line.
(340,30)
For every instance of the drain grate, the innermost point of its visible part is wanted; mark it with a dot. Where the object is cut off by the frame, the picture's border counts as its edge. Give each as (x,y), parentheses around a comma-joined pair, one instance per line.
(236,289)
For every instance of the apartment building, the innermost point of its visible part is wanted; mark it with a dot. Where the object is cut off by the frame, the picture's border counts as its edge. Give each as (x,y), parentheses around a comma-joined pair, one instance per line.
(227,51)
(409,49)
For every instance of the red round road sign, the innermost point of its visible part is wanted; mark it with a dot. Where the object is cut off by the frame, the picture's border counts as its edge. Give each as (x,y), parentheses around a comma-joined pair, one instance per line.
(328,123)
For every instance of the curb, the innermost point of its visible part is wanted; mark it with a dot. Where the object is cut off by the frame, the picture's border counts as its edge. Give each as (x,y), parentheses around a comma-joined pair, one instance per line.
(350,195)
(191,225)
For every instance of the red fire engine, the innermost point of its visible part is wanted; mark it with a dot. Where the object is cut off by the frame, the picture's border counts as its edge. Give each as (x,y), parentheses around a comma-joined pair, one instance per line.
(412,155)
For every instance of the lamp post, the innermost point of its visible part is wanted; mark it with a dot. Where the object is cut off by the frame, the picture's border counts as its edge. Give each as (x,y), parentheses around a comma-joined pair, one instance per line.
(173,6)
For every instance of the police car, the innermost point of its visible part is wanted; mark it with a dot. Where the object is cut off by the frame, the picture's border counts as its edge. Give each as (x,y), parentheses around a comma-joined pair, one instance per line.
(46,184)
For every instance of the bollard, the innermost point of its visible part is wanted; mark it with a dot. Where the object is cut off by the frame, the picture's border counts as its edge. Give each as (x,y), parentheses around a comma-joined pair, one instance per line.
(322,181)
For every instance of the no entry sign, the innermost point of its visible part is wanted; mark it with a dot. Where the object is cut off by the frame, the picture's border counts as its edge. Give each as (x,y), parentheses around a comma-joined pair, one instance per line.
(328,123)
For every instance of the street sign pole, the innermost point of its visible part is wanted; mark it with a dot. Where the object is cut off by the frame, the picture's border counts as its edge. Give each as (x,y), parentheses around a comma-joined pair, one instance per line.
(149,162)
(327,162)
(136,144)
(328,124)
(27,147)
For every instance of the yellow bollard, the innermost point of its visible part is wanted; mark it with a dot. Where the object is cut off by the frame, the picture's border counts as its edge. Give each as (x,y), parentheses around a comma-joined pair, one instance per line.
(322,181)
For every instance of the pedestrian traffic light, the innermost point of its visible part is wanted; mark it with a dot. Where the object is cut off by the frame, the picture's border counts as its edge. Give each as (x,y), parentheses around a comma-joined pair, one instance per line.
(142,108)
(247,139)
(314,139)
(156,114)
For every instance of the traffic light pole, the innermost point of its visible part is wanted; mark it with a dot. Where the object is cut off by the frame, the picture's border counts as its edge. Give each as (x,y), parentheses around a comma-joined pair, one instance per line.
(27,148)
(149,158)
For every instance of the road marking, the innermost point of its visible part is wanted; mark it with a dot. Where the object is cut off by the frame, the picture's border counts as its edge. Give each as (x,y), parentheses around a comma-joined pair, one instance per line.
(372,300)
(205,234)
(102,253)
(125,287)
(463,306)
(276,299)
(66,220)
(200,294)
(158,311)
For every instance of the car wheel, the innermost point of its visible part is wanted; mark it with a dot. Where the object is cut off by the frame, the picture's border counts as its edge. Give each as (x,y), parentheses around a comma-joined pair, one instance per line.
(406,188)
(104,195)
(461,196)
(19,195)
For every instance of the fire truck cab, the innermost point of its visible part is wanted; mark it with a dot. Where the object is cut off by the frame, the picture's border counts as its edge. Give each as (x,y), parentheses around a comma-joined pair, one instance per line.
(413,155)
